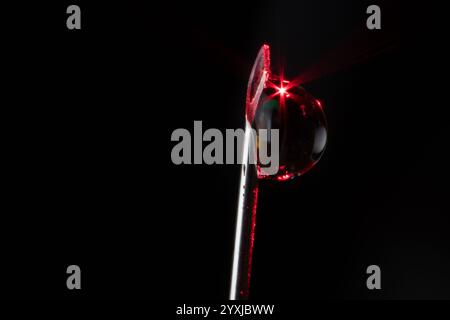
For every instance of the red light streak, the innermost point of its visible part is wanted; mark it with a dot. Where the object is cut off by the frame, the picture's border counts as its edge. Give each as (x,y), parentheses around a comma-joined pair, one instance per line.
(285,177)
(252,234)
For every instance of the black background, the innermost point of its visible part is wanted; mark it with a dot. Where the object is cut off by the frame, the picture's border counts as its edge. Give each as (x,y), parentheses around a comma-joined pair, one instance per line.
(88,179)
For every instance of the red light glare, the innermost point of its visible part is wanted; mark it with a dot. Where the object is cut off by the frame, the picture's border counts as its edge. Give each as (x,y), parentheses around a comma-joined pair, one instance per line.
(285,177)
(283,89)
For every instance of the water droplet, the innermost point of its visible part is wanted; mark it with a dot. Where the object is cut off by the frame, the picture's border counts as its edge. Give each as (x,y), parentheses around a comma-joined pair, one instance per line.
(302,128)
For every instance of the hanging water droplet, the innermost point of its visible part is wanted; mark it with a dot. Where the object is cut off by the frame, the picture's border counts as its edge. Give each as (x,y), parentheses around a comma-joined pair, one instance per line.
(302,126)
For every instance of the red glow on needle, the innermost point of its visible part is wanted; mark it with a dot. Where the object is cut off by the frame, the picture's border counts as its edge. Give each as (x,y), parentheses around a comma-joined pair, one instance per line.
(252,236)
